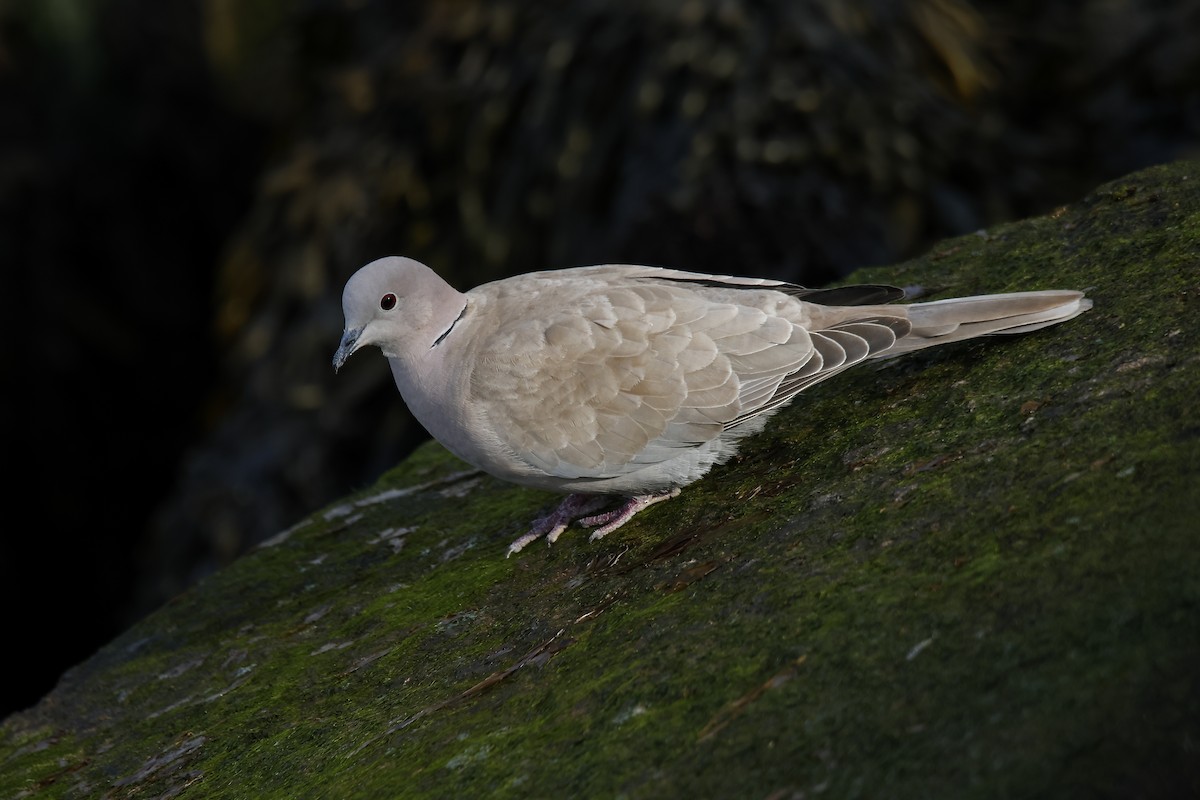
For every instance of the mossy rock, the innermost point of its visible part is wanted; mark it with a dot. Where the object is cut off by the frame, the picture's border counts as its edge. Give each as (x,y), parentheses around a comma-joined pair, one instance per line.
(970,572)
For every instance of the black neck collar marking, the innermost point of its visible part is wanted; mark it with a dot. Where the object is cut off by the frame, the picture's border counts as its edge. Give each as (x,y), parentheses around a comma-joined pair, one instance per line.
(446,332)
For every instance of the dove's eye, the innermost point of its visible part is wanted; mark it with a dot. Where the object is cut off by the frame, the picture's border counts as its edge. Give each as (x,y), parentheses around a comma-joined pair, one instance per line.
(388,302)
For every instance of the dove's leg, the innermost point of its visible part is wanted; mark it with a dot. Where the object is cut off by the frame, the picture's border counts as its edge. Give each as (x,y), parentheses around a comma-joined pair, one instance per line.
(553,524)
(609,521)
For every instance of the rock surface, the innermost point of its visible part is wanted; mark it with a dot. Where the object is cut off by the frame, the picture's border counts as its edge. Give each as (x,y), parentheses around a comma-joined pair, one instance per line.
(969,572)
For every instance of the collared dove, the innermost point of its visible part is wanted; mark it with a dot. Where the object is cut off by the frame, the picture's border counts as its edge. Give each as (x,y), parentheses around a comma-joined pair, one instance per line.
(631,381)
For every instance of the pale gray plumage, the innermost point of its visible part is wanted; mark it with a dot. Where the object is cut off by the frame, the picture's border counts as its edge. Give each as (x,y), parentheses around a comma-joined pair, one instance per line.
(629,380)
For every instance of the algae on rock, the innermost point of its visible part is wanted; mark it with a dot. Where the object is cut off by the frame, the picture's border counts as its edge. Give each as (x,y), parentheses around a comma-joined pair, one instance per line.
(970,572)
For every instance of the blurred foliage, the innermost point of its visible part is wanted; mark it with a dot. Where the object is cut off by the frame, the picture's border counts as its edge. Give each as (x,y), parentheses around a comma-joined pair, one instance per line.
(122,173)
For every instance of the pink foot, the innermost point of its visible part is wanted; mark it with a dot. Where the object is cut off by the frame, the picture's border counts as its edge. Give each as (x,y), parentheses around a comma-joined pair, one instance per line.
(553,524)
(578,505)
(609,521)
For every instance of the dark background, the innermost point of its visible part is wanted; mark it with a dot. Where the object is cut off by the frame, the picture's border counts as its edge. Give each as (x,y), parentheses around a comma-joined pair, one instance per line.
(185,187)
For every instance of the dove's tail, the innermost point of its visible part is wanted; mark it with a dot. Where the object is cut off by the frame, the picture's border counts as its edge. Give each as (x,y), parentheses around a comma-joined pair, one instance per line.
(944,321)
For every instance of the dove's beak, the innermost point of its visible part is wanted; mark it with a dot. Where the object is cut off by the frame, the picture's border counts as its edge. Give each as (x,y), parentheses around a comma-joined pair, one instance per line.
(346,347)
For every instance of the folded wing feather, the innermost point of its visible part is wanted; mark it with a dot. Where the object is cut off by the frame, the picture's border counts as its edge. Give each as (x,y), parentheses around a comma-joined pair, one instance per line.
(634,372)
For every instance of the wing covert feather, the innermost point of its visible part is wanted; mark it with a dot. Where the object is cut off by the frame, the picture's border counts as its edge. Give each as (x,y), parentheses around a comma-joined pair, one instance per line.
(586,379)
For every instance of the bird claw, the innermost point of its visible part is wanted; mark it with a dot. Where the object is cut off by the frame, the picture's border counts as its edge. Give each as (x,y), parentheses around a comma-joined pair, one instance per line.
(609,521)
(519,544)
(579,506)
(553,524)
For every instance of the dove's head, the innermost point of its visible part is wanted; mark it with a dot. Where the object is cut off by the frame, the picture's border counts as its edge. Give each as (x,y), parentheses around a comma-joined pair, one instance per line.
(399,305)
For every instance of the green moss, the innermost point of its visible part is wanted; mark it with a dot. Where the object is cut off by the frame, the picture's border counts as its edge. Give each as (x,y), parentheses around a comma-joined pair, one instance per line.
(966,573)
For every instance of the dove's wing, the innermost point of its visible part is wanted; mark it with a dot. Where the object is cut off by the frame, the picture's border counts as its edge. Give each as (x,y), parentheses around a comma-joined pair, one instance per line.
(597,374)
